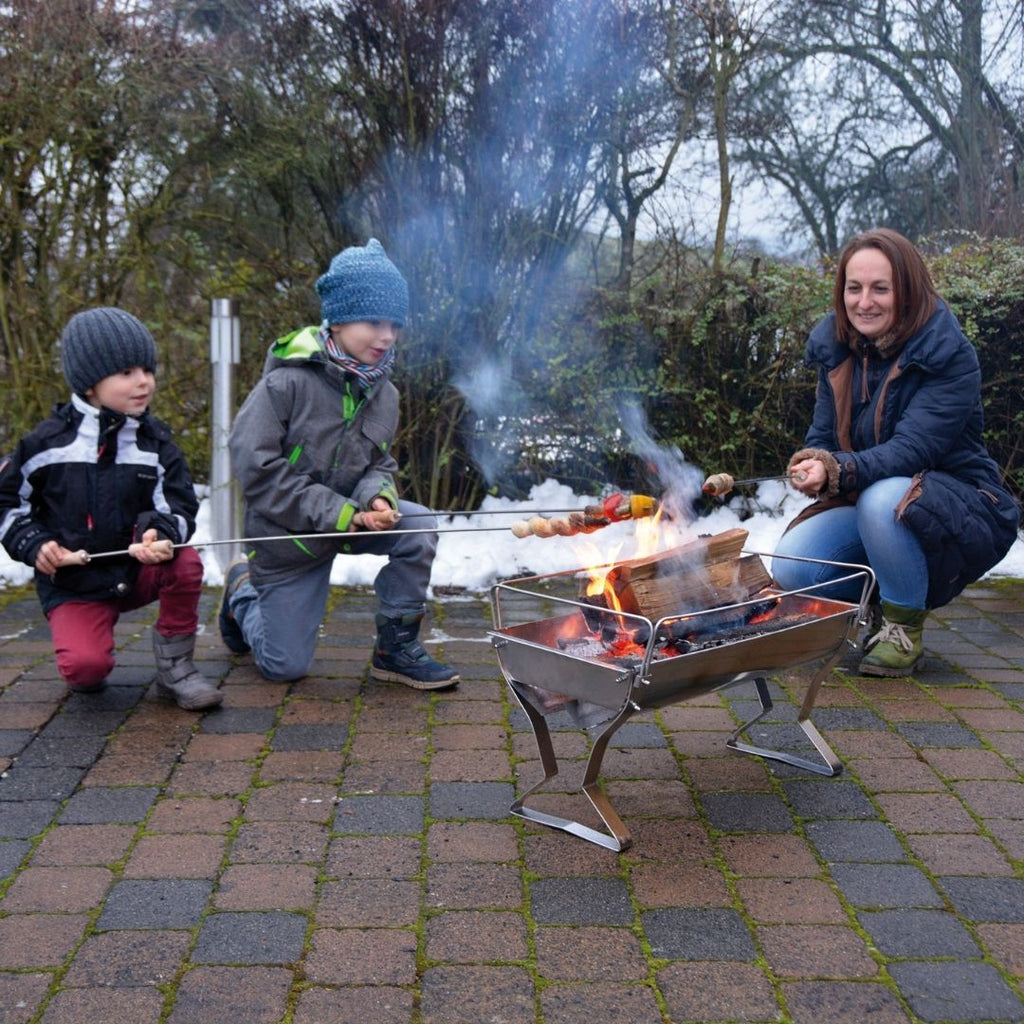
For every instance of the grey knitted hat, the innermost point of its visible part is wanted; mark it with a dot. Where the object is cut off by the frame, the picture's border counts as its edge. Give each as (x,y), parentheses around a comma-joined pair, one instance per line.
(102,341)
(363,284)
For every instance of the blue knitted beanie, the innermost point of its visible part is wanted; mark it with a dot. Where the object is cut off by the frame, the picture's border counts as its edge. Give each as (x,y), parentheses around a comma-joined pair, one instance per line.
(363,284)
(99,342)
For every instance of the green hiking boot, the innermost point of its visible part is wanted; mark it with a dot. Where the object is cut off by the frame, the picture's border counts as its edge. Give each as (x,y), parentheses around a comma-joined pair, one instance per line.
(897,649)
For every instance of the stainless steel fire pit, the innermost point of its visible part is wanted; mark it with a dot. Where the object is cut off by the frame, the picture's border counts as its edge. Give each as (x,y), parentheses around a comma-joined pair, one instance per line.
(566,661)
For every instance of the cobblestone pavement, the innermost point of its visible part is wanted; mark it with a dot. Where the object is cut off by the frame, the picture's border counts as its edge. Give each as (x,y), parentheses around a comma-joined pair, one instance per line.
(338,850)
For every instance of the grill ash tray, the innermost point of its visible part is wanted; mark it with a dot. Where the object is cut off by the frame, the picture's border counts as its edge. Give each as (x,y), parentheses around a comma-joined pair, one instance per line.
(603,666)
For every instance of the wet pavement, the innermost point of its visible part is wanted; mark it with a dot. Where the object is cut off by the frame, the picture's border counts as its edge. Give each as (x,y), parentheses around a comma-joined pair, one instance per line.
(340,850)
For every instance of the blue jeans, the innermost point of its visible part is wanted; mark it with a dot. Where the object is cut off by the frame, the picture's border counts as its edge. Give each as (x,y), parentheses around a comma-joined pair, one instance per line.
(281,621)
(865,534)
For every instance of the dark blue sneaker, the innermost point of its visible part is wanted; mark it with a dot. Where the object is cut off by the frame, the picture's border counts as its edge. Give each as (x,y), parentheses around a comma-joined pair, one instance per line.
(399,657)
(230,632)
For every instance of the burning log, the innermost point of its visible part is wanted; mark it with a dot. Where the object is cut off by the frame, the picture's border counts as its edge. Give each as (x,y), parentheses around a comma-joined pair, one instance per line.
(615,508)
(706,572)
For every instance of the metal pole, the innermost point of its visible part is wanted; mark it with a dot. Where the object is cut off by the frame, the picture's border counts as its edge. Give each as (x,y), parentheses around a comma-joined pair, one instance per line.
(225,355)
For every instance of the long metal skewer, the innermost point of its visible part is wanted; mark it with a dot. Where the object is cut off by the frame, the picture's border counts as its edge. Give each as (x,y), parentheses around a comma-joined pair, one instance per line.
(352,535)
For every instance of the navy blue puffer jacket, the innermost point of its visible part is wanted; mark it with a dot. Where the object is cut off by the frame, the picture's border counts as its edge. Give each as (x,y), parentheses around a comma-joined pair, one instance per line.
(918,414)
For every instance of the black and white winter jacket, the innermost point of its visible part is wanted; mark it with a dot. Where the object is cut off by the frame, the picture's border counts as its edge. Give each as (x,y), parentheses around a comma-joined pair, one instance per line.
(96,480)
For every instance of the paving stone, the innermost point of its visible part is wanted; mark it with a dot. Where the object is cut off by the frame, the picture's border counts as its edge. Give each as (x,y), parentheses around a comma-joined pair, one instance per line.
(937,734)
(869,841)
(957,854)
(83,844)
(885,885)
(292,801)
(455,886)
(459,995)
(816,951)
(374,857)
(176,856)
(21,995)
(88,721)
(589,953)
(379,815)
(698,934)
(487,800)
(163,903)
(362,956)
(747,812)
(829,798)
(368,902)
(244,720)
(39,940)
(957,991)
(848,1002)
(193,814)
(919,934)
(14,741)
(57,890)
(986,899)
(61,751)
(250,938)
(12,853)
(827,719)
(673,885)
(119,960)
(476,936)
(575,1004)
(715,991)
(268,842)
(382,1004)
(56,783)
(102,806)
(790,901)
(580,901)
(25,818)
(209,994)
(104,1006)
(309,737)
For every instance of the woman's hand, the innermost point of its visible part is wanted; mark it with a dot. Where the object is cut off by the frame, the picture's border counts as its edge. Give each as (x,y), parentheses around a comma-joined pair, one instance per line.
(809,476)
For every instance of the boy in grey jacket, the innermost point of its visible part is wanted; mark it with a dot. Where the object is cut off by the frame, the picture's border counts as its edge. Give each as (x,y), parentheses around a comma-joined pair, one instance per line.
(311,449)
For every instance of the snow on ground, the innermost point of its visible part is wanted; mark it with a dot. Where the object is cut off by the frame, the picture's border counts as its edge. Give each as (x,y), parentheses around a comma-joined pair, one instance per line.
(475,551)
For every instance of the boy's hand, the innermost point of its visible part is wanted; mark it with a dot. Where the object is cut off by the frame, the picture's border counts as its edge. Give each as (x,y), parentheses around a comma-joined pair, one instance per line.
(150,551)
(380,516)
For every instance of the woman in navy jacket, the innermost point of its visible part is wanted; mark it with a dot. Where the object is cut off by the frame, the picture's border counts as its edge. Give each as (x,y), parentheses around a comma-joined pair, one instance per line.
(895,454)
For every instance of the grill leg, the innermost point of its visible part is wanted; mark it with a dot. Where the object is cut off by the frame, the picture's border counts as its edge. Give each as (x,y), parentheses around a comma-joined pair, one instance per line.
(617,838)
(831,764)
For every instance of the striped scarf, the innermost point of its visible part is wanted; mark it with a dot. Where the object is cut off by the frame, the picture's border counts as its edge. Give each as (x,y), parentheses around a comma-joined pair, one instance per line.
(366,374)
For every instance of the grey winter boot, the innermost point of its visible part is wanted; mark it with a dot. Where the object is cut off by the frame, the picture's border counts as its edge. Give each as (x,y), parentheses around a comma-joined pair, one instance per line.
(177,678)
(399,657)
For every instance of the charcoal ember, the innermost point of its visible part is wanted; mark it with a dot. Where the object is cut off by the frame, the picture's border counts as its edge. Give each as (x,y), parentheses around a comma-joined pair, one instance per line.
(613,632)
(595,612)
(708,626)
(581,646)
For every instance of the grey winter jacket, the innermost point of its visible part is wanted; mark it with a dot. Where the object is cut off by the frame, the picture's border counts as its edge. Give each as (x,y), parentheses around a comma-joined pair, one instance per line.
(309,449)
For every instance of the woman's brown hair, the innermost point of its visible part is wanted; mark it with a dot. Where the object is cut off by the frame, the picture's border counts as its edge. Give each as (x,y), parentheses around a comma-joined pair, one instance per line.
(914,295)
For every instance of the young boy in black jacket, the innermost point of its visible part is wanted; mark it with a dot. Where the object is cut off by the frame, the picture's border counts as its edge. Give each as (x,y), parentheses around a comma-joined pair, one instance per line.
(101,474)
